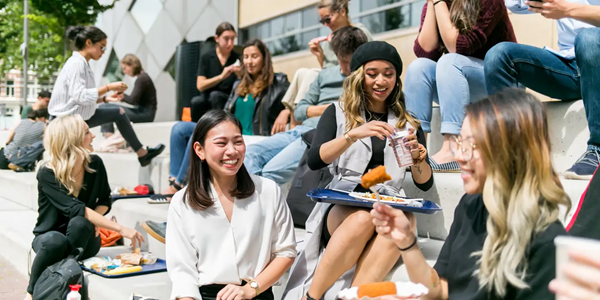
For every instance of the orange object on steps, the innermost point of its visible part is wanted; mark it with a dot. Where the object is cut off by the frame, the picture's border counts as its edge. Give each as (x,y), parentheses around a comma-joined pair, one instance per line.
(109,237)
(378,289)
(186,115)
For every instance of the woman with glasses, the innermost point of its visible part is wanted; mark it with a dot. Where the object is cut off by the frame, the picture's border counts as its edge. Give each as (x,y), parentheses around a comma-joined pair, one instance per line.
(452,42)
(75,91)
(500,245)
(334,15)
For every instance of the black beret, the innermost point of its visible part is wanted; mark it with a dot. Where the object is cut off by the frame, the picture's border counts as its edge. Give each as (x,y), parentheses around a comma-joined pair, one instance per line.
(376,50)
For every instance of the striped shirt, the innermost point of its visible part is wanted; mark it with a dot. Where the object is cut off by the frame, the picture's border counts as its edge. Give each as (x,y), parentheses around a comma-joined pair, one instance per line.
(26,133)
(74,91)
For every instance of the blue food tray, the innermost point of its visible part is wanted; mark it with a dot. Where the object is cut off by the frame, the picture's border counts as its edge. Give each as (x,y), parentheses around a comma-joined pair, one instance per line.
(343,198)
(117,197)
(159,266)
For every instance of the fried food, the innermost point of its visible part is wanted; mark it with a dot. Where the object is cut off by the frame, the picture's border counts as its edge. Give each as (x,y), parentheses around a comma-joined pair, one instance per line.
(375,176)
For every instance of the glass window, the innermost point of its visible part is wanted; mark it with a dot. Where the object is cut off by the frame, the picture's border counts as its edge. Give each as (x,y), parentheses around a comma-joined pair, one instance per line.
(310,17)
(10,88)
(277,26)
(293,21)
(374,22)
(113,68)
(397,18)
(366,5)
(308,36)
(145,13)
(416,9)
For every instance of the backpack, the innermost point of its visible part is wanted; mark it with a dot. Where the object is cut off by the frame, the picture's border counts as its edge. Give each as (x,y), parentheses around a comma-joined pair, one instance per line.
(54,282)
(27,156)
(304,181)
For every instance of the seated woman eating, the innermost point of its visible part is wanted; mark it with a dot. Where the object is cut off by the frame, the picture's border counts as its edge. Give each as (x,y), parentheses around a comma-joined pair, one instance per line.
(250,243)
(500,245)
(74,196)
(351,139)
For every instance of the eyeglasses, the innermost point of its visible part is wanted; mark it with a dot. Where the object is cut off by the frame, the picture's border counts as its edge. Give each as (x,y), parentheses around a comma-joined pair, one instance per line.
(103,48)
(326,20)
(466,148)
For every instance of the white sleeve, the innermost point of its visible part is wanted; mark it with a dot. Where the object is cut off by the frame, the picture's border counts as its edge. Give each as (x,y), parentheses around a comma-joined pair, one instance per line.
(283,242)
(517,6)
(78,91)
(181,254)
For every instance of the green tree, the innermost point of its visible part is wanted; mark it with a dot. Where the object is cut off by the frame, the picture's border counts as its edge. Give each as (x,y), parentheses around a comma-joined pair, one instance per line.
(47,26)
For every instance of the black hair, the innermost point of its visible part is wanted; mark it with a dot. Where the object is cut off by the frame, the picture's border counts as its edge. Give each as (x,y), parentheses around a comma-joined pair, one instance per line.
(38,113)
(79,34)
(346,40)
(225,26)
(197,194)
(44,94)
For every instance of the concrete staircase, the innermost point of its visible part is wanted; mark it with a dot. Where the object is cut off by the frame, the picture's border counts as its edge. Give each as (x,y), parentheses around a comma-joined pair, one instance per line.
(18,200)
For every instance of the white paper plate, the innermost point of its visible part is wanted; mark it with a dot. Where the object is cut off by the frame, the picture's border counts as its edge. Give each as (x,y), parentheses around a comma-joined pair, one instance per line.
(386,199)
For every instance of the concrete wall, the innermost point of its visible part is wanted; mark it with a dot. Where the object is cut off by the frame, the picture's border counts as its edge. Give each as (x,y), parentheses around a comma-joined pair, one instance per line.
(255,11)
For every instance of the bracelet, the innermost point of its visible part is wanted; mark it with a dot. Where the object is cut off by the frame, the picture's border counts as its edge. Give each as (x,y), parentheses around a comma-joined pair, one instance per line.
(411,245)
(436,2)
(349,138)
(308,297)
(104,98)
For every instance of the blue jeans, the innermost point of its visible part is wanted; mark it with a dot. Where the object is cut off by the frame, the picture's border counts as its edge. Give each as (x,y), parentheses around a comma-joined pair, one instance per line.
(512,65)
(181,143)
(453,82)
(278,156)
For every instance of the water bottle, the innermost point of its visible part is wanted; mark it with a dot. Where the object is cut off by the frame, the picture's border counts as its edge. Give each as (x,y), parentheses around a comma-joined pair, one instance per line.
(74,294)
(403,155)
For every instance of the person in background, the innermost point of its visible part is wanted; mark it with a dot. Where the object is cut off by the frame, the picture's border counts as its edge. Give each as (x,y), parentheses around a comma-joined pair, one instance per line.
(351,139)
(75,92)
(27,133)
(251,241)
(568,74)
(501,242)
(42,103)
(335,15)
(73,197)
(142,98)
(217,71)
(278,156)
(452,42)
(256,99)
(582,275)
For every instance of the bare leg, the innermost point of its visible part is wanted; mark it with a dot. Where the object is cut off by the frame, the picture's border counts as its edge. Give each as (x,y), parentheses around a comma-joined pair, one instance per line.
(350,229)
(444,155)
(376,262)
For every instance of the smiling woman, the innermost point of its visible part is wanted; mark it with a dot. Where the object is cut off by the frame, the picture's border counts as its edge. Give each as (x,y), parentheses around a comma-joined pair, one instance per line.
(247,215)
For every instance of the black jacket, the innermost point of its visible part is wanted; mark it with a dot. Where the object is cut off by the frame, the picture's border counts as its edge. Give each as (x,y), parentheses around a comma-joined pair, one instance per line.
(267,105)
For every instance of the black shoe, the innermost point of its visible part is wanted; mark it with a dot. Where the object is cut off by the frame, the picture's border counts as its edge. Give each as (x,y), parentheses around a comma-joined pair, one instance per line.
(152,153)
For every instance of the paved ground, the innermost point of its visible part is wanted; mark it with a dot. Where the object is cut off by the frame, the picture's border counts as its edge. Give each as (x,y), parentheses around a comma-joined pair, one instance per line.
(12,283)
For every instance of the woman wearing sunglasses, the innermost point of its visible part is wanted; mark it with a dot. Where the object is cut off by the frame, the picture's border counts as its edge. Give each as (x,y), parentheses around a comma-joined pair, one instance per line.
(500,245)
(75,91)
(333,14)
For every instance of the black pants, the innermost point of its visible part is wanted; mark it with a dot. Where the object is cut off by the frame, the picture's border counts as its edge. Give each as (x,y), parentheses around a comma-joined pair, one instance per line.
(3,160)
(53,246)
(112,114)
(137,114)
(207,101)
(209,292)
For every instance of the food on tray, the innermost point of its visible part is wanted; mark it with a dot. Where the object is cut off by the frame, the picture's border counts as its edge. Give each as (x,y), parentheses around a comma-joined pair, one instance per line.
(378,289)
(133,259)
(123,270)
(375,176)
(382,197)
(125,192)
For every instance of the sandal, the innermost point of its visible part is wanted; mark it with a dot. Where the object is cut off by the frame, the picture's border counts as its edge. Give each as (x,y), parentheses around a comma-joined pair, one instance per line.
(449,167)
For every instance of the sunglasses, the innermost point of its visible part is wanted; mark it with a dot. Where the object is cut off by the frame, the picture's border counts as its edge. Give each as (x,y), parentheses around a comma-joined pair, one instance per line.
(325,21)
(103,48)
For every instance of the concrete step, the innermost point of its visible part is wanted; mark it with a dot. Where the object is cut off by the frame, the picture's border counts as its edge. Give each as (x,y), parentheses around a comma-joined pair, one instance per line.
(149,134)
(20,188)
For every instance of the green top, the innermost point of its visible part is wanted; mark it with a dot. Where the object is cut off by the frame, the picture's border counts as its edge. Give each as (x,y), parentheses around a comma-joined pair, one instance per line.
(26,111)
(244,111)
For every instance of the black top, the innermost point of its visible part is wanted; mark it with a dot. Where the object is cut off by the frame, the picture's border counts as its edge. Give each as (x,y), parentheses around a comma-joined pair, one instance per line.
(144,93)
(210,66)
(327,131)
(57,207)
(467,235)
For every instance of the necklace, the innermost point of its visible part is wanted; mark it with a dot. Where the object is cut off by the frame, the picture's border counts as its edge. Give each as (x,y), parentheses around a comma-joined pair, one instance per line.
(375,118)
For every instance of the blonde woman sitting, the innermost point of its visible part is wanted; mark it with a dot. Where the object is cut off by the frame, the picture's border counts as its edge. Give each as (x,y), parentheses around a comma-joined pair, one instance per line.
(500,244)
(73,197)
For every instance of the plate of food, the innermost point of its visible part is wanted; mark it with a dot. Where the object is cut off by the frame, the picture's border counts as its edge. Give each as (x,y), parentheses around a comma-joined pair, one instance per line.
(386,199)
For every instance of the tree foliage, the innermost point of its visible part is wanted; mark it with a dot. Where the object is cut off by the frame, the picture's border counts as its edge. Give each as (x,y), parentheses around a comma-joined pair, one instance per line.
(48,21)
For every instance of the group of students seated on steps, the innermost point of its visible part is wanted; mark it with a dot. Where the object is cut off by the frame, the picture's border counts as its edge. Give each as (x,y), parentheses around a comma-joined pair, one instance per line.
(500,245)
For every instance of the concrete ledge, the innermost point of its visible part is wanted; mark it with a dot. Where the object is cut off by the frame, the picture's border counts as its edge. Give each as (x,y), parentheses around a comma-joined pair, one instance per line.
(20,188)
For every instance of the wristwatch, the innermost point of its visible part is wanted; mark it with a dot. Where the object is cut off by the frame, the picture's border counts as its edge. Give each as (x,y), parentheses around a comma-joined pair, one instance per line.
(253,284)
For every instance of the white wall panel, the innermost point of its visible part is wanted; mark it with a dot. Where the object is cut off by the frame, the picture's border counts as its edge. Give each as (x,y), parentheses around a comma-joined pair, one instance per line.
(163,38)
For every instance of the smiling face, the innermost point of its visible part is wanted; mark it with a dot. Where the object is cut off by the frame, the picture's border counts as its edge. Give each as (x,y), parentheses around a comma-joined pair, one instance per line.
(253,60)
(380,79)
(333,19)
(224,149)
(470,162)
(88,138)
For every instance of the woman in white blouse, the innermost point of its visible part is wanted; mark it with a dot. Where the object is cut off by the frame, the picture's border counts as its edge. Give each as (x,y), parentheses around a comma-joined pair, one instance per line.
(75,92)
(230,235)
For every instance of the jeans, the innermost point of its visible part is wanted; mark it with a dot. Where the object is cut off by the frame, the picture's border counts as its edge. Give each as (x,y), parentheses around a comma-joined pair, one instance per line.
(181,145)
(278,156)
(453,82)
(137,114)
(53,246)
(115,114)
(513,65)
(207,101)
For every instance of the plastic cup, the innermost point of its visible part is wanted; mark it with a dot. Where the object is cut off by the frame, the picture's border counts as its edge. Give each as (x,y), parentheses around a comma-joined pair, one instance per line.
(566,243)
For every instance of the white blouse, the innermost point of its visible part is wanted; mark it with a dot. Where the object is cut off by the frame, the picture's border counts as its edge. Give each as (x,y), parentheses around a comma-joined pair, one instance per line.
(203,247)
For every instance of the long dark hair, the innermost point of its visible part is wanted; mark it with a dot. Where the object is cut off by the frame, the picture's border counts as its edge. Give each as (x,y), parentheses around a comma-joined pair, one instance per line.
(248,85)
(79,34)
(225,26)
(197,194)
